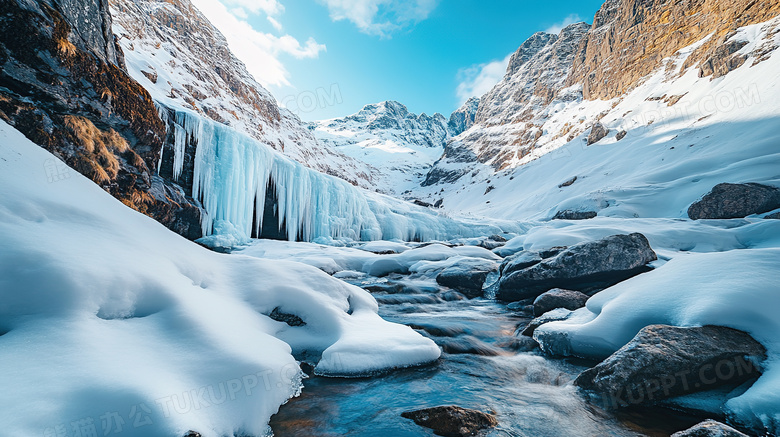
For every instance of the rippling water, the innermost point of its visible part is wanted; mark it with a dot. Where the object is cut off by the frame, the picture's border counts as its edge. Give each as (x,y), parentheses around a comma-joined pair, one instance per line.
(484,366)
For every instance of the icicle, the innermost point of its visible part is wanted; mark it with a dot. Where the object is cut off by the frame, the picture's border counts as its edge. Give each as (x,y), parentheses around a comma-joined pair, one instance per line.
(231,176)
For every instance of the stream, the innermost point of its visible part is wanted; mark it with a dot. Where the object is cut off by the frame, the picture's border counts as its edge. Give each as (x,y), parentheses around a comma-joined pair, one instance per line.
(483,366)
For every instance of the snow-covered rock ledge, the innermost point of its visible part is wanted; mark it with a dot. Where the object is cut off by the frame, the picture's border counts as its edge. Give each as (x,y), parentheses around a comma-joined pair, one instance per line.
(109,319)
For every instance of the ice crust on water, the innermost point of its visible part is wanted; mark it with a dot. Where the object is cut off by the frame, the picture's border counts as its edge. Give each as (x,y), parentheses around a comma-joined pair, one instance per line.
(106,311)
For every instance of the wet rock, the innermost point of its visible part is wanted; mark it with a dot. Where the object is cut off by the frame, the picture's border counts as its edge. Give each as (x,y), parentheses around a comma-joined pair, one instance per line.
(666,361)
(774,216)
(727,201)
(290,319)
(192,434)
(597,133)
(710,428)
(569,214)
(518,344)
(467,278)
(620,135)
(452,296)
(451,420)
(555,315)
(559,298)
(585,267)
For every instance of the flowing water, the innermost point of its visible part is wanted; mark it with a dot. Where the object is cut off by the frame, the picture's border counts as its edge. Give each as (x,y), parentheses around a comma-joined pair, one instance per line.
(484,366)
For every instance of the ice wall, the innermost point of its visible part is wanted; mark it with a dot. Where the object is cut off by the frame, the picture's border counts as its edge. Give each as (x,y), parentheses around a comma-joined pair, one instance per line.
(232,173)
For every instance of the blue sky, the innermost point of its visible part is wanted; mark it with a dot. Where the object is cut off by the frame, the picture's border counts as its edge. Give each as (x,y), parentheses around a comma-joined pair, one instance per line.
(328,58)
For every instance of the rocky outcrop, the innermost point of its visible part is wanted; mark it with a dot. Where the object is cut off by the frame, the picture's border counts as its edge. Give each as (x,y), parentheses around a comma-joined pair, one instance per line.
(597,133)
(463,118)
(585,267)
(555,315)
(710,428)
(63,85)
(452,421)
(467,277)
(727,201)
(559,298)
(632,37)
(569,214)
(665,361)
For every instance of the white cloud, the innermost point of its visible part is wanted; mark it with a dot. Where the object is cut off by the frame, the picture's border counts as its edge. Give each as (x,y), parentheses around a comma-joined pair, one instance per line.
(478,79)
(276,24)
(557,27)
(258,50)
(269,7)
(380,17)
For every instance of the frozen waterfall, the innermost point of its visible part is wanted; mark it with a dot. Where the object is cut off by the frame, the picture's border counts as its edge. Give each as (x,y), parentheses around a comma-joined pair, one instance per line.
(234,173)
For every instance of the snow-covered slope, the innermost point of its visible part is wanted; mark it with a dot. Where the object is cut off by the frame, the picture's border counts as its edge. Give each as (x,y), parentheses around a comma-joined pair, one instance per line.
(182,60)
(400,145)
(670,140)
(111,322)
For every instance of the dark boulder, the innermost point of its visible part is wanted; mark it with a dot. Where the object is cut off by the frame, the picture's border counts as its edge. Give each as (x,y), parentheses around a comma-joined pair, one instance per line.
(290,319)
(662,362)
(597,133)
(467,277)
(452,421)
(620,135)
(585,267)
(710,428)
(727,201)
(569,214)
(559,298)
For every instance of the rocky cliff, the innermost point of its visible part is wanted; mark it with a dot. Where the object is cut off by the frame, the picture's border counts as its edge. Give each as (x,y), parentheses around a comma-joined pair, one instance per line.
(582,68)
(64,86)
(184,61)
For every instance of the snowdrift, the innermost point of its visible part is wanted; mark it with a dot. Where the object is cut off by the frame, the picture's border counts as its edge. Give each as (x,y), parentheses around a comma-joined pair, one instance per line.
(111,323)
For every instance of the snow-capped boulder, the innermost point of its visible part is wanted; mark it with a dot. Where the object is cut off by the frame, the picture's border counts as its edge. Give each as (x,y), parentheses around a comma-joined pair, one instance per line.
(559,298)
(584,267)
(452,420)
(569,214)
(597,133)
(727,201)
(467,276)
(665,361)
(710,428)
(555,315)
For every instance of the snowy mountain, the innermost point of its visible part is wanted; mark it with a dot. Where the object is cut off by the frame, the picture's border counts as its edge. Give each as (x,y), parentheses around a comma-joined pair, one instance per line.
(174,52)
(565,141)
(399,144)
(463,117)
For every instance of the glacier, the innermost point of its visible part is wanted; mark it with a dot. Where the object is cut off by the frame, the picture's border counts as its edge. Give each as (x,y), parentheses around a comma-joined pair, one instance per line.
(233,174)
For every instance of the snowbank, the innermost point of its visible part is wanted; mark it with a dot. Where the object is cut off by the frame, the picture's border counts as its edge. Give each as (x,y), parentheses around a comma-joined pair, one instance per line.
(108,320)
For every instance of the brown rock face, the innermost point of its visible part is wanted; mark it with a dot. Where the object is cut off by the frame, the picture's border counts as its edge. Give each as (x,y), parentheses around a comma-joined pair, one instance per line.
(452,421)
(62,84)
(630,38)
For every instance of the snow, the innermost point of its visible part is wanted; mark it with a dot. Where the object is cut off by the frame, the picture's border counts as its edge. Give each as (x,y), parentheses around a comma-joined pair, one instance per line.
(109,318)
